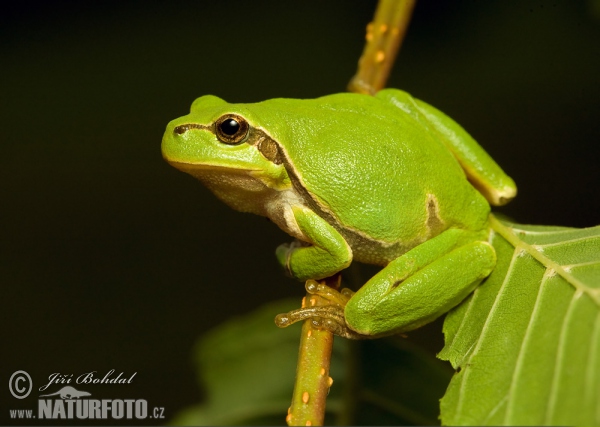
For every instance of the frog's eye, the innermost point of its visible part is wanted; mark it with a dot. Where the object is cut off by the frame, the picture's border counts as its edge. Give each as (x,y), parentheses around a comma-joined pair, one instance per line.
(231,129)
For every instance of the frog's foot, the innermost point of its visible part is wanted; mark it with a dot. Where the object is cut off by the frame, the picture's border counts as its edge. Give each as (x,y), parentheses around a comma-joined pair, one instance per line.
(329,317)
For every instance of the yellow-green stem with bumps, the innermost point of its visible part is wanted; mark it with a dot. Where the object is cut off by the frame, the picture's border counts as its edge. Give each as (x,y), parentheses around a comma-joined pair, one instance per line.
(312,373)
(384,37)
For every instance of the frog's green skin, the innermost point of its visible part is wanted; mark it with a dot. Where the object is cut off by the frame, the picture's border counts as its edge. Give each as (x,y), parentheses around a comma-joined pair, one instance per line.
(386,180)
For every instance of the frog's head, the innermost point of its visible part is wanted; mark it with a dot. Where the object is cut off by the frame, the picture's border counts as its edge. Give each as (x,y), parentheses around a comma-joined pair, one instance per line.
(225,147)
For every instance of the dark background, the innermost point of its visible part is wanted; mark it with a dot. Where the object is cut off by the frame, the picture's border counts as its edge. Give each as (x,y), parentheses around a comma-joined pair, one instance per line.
(111,259)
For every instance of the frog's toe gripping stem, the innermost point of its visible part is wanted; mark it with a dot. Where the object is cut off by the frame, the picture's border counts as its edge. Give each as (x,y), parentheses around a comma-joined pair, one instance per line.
(329,317)
(410,292)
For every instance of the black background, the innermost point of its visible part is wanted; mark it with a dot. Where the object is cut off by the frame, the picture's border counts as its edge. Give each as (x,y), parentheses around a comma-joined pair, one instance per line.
(111,259)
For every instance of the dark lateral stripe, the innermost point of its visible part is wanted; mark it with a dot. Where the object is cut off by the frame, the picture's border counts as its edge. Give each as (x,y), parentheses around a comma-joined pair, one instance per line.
(184,128)
(353,237)
(266,145)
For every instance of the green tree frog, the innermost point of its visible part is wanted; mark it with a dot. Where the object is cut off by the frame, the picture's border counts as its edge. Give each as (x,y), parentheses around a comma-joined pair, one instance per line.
(385,179)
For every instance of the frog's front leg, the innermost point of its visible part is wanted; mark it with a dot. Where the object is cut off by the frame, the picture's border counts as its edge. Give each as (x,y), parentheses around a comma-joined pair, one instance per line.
(409,292)
(326,254)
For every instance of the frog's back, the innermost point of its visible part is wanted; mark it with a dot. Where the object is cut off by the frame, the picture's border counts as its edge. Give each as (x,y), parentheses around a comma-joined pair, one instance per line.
(372,171)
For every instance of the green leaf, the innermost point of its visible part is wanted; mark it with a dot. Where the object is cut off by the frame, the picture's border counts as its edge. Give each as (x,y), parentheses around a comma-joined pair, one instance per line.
(526,343)
(247,367)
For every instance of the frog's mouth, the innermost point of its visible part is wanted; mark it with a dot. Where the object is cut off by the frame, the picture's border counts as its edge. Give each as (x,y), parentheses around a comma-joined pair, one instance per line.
(199,170)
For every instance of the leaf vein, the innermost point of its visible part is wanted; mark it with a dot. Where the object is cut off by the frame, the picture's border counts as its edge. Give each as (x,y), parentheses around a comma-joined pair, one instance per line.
(591,368)
(514,240)
(563,242)
(559,359)
(483,332)
(494,410)
(541,233)
(520,356)
(581,264)
(462,323)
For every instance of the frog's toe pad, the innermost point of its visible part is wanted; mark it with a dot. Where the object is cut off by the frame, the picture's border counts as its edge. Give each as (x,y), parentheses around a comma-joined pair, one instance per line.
(337,298)
(329,317)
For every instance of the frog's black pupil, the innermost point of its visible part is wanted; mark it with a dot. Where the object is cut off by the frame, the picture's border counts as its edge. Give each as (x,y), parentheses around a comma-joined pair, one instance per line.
(230,127)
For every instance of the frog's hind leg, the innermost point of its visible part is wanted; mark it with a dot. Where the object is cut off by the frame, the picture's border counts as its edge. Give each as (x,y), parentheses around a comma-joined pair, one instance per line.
(421,285)
(483,172)
(409,292)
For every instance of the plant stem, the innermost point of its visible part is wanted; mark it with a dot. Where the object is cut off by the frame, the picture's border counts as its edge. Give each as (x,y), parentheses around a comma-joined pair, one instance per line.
(384,37)
(312,373)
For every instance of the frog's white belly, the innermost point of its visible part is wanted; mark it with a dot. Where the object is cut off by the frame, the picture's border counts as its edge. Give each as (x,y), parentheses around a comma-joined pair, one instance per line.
(279,210)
